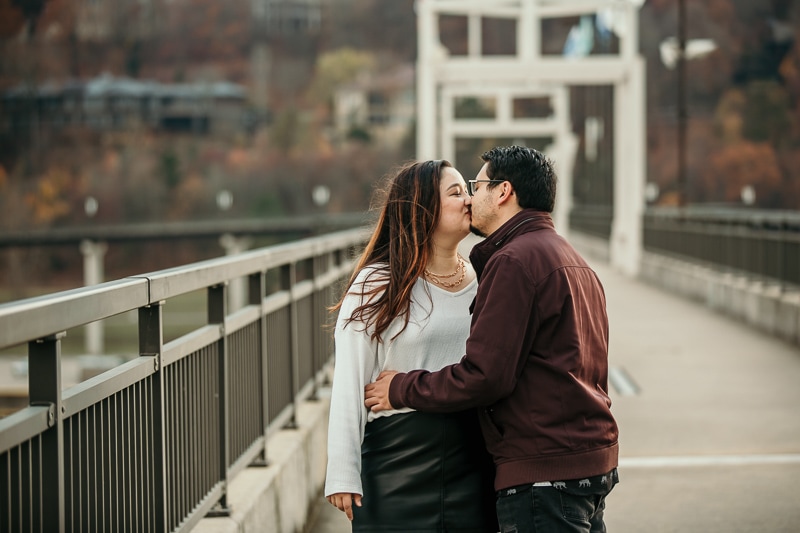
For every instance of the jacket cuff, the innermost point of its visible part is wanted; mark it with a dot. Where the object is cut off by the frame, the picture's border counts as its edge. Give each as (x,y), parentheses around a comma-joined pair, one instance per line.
(396,391)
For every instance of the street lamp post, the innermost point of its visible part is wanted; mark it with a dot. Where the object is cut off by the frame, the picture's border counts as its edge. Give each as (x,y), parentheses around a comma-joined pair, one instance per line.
(93,273)
(675,52)
(683,182)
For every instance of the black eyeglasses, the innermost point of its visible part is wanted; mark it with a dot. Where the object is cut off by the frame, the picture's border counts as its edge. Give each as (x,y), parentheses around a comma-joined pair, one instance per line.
(471,185)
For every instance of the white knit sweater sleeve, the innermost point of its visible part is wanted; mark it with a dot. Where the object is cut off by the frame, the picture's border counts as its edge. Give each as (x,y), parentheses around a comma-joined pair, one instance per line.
(356,363)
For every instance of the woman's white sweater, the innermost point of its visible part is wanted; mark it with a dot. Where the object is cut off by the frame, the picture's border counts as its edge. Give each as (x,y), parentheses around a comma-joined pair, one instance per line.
(436,336)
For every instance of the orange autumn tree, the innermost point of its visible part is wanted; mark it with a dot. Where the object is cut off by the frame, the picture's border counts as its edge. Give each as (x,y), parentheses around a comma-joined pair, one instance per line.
(49,199)
(12,20)
(742,164)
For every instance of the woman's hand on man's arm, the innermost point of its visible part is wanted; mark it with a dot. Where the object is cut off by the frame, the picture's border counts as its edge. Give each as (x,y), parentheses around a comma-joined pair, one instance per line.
(376,394)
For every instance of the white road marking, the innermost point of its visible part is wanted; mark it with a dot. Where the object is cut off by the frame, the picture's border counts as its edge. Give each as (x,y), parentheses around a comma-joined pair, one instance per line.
(622,382)
(708,460)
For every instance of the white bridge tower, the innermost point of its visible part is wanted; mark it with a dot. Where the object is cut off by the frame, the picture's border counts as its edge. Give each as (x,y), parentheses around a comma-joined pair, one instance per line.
(443,78)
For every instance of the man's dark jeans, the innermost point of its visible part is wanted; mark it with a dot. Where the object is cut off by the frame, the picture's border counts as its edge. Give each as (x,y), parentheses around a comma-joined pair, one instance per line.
(574,506)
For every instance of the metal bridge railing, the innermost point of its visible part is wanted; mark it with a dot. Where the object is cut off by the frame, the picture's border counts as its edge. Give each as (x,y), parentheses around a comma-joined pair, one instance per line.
(150,445)
(759,243)
(593,220)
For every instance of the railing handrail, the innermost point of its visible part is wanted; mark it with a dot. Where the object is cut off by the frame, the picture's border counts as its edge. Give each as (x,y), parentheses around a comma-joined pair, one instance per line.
(759,243)
(181,230)
(728,215)
(32,318)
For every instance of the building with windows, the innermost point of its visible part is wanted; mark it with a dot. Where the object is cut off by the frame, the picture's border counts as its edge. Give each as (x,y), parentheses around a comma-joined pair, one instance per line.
(111,103)
(378,106)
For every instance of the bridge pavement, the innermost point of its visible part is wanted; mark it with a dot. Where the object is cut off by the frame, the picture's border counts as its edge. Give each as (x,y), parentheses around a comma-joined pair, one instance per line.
(710,441)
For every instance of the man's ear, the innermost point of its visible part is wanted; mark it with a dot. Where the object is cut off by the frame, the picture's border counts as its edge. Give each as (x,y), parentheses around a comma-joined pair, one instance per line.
(505,195)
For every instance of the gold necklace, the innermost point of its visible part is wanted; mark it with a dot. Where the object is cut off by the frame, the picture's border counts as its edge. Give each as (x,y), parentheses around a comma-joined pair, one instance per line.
(439,280)
(459,263)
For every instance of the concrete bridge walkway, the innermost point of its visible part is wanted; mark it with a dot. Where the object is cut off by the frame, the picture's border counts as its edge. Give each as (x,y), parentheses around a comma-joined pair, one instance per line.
(710,439)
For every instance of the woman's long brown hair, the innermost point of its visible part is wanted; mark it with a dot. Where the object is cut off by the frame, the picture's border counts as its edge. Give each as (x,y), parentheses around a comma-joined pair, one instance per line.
(401,240)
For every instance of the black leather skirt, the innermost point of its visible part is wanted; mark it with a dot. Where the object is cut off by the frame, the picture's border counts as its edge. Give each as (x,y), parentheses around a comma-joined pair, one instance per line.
(425,472)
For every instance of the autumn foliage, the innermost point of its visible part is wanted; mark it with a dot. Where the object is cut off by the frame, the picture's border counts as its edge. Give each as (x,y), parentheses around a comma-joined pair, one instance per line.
(743,103)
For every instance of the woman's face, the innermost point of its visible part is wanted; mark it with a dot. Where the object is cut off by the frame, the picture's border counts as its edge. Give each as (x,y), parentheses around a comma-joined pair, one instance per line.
(454,217)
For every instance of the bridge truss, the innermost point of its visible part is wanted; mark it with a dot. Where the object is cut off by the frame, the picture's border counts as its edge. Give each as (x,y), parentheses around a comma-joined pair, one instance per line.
(443,77)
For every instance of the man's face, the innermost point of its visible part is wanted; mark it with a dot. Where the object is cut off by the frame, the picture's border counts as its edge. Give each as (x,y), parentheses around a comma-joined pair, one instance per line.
(484,209)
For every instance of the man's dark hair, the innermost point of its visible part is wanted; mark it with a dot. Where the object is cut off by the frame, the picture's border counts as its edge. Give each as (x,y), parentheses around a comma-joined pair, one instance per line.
(530,173)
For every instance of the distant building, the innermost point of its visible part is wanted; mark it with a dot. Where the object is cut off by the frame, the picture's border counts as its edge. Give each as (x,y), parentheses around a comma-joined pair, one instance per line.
(96,20)
(289,16)
(381,106)
(109,103)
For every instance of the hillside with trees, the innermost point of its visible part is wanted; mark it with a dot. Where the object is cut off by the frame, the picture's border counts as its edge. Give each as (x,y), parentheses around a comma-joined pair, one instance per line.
(743,101)
(743,106)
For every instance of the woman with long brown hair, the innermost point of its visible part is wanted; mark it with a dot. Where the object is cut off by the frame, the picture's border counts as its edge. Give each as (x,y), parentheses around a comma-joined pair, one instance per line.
(407,307)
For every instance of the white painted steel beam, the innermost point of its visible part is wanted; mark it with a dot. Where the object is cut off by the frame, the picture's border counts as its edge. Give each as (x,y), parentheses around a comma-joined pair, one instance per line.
(570,8)
(478,128)
(427,45)
(629,172)
(493,8)
(527,89)
(446,134)
(507,9)
(596,70)
(474,36)
(529,33)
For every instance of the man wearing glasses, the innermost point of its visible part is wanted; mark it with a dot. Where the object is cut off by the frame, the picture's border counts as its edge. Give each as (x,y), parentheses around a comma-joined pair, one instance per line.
(536,361)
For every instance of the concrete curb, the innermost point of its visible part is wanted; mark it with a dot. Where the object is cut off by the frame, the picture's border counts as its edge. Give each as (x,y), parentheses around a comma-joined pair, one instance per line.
(763,305)
(279,498)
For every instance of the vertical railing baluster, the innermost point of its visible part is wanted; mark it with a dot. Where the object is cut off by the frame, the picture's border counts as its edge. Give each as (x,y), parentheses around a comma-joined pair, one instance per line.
(780,252)
(194,441)
(256,292)
(79,482)
(105,458)
(123,473)
(761,251)
(180,467)
(288,282)
(91,440)
(316,324)
(169,435)
(217,312)
(44,386)
(147,394)
(151,343)
(37,481)
(140,459)
(326,265)
(208,417)
(113,458)
(5,503)
(16,489)
(27,500)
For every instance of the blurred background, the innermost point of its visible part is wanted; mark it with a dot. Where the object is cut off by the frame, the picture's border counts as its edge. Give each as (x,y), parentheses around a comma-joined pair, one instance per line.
(120,112)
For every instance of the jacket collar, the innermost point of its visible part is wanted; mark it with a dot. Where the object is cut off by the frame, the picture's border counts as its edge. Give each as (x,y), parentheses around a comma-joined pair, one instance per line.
(523,222)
